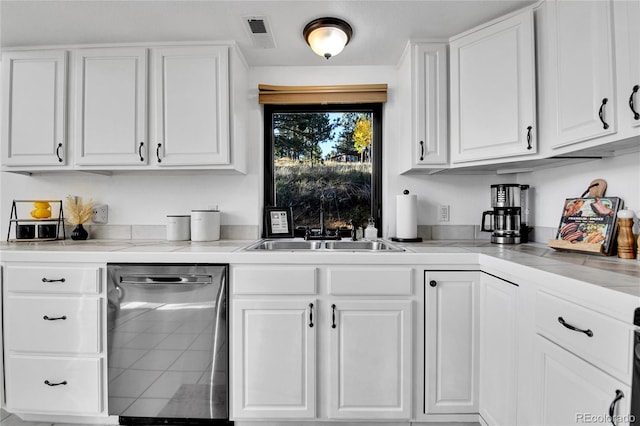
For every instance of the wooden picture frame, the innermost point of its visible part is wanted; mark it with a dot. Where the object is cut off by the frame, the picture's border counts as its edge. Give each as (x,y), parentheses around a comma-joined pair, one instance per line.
(278,222)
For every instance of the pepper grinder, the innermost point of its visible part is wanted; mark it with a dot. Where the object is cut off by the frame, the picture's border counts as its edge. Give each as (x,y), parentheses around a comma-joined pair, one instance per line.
(626,241)
(638,243)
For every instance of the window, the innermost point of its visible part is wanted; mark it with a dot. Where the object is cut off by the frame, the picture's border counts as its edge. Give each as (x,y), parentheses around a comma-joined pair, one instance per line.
(325,157)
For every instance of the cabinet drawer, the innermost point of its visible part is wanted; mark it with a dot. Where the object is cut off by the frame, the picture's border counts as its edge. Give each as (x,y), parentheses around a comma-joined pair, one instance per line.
(385,281)
(52,279)
(606,342)
(74,385)
(274,280)
(52,324)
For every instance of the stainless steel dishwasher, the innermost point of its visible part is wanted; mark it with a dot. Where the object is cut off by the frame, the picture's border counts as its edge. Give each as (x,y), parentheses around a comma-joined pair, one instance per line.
(167,343)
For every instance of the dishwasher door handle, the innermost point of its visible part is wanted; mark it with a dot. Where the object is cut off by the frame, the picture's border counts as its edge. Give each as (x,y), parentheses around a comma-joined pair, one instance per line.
(166,279)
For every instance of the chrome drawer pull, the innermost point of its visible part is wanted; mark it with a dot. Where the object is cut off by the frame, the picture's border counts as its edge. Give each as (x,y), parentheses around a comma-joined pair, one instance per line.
(48,383)
(46,318)
(571,327)
(47,280)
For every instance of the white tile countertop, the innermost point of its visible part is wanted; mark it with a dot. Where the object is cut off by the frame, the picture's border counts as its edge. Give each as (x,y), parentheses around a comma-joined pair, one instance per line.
(611,272)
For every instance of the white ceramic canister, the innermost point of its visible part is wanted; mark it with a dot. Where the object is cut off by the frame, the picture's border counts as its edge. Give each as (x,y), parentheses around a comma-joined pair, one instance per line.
(178,227)
(205,225)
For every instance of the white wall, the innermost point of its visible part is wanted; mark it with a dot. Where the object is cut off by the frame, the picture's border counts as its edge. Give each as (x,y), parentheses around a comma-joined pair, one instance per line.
(144,198)
(552,186)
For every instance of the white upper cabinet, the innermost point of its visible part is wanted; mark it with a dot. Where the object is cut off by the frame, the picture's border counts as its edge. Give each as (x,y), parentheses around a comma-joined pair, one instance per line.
(626,18)
(190,100)
(111,106)
(133,107)
(34,108)
(425,67)
(578,70)
(493,100)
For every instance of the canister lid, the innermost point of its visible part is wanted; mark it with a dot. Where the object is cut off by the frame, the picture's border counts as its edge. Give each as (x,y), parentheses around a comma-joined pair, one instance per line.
(204,210)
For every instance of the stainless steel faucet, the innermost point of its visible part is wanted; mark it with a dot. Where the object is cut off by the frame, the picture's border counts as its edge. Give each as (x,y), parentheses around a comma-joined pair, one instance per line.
(323,229)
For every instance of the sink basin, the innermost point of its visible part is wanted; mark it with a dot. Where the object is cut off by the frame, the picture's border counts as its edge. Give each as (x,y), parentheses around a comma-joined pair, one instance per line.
(361,246)
(341,245)
(286,245)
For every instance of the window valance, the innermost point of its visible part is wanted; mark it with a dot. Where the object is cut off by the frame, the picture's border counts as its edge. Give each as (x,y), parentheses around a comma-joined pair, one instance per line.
(322,95)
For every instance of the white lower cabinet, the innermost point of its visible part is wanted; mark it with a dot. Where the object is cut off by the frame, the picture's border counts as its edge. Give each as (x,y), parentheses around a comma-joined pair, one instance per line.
(582,363)
(498,350)
(573,392)
(274,347)
(370,360)
(451,339)
(61,385)
(53,339)
(332,349)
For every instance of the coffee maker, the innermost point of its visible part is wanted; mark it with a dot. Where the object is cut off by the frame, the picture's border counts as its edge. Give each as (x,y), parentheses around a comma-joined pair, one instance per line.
(509,223)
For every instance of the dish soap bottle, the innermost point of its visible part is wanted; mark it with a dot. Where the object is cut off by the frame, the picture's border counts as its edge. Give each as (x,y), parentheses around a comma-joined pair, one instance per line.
(370,232)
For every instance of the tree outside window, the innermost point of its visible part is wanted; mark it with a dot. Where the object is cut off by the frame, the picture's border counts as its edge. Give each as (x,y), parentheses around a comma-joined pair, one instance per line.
(323,160)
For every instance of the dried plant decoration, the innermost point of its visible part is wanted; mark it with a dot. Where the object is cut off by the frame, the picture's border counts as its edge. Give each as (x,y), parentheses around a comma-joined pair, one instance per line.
(78,212)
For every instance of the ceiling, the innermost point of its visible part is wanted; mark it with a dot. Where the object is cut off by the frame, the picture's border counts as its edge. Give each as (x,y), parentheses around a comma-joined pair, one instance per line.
(381,27)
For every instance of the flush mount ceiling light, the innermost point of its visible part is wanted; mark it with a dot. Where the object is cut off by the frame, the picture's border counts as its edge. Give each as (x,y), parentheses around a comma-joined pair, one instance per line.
(327,36)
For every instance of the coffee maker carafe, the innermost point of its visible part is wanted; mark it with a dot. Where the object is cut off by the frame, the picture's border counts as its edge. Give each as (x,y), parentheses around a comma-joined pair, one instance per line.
(509,222)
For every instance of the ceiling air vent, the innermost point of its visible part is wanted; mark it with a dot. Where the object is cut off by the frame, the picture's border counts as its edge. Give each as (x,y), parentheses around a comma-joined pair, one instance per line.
(259,31)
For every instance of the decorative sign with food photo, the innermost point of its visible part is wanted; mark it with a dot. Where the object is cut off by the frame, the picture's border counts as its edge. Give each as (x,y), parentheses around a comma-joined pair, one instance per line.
(587,224)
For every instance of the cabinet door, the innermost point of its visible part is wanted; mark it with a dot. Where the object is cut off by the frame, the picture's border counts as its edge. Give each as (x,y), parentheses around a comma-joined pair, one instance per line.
(370,359)
(627,31)
(34,108)
(493,91)
(572,391)
(111,106)
(451,340)
(429,82)
(191,105)
(273,359)
(580,61)
(498,348)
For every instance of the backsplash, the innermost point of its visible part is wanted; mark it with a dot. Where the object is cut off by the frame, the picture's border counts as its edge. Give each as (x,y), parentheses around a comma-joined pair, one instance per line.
(250,232)
(159,232)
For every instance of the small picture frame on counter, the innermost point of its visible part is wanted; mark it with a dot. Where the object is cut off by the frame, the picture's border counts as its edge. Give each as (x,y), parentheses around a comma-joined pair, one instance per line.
(278,222)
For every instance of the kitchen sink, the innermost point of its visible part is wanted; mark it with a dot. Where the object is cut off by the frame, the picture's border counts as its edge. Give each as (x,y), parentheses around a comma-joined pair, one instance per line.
(360,246)
(321,245)
(286,245)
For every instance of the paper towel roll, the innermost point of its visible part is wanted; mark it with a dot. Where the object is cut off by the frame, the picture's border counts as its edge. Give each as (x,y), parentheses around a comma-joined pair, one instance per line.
(407,216)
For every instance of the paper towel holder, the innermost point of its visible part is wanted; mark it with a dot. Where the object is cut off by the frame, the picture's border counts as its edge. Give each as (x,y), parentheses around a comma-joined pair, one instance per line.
(406,240)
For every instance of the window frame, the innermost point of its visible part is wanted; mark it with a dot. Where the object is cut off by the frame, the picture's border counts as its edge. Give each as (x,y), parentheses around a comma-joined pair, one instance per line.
(376,159)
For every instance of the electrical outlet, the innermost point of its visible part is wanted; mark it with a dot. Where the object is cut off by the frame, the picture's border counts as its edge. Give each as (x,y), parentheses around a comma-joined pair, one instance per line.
(443,213)
(100,213)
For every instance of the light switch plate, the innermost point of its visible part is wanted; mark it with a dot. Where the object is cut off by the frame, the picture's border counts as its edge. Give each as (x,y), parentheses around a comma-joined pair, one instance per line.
(443,213)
